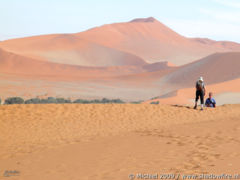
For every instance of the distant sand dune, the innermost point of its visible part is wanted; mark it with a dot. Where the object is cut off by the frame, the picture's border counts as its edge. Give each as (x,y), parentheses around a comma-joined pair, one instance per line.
(111,141)
(131,61)
(132,42)
(153,41)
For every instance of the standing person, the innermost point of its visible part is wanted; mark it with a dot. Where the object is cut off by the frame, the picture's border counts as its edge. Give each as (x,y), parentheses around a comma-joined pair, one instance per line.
(200,92)
(210,102)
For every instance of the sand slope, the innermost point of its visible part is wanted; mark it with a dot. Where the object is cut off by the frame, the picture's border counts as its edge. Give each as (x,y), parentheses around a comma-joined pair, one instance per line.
(11,63)
(112,141)
(126,82)
(216,68)
(154,42)
(69,49)
(119,44)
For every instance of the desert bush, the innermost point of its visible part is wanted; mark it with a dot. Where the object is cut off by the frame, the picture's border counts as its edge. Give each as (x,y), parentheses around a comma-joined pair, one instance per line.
(117,101)
(97,101)
(105,100)
(81,101)
(33,101)
(63,101)
(49,100)
(0,101)
(14,100)
(155,102)
(136,102)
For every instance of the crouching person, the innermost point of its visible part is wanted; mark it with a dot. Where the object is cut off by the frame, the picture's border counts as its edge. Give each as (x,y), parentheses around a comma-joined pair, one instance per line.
(210,101)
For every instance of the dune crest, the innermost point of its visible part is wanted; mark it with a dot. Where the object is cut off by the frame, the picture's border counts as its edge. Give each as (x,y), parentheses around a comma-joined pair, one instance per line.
(144,39)
(150,19)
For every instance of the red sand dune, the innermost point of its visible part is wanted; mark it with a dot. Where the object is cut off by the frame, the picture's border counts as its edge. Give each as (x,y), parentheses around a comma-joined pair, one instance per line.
(158,66)
(113,60)
(153,41)
(33,77)
(126,83)
(69,49)
(221,72)
(215,68)
(16,64)
(118,44)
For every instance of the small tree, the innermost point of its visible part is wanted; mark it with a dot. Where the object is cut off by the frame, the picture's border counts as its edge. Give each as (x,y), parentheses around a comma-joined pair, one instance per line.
(117,101)
(136,102)
(63,101)
(82,101)
(155,102)
(105,100)
(96,101)
(33,101)
(49,100)
(14,100)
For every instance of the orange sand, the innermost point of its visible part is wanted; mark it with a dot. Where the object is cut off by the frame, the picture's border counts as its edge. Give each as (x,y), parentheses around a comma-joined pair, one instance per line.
(59,142)
(118,44)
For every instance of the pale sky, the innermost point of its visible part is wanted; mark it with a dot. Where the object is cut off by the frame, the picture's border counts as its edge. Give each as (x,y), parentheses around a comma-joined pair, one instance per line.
(214,19)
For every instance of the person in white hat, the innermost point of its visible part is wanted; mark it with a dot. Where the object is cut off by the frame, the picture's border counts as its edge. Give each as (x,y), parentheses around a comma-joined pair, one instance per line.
(200,92)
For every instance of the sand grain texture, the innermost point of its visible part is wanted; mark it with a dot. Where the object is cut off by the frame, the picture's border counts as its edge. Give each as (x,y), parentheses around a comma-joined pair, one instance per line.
(80,142)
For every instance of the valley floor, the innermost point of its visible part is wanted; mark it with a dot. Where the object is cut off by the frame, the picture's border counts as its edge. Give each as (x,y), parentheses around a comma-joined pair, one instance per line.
(112,141)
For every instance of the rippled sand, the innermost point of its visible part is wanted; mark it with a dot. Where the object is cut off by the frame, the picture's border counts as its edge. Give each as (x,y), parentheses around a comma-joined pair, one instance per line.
(100,142)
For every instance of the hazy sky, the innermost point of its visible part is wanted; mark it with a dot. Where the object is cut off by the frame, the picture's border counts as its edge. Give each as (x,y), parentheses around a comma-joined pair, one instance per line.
(215,19)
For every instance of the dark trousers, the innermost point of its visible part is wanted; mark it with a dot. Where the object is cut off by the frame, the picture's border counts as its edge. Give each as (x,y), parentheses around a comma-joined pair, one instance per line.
(200,94)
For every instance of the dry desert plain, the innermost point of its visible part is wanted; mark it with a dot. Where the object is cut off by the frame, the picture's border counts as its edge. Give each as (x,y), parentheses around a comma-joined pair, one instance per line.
(112,141)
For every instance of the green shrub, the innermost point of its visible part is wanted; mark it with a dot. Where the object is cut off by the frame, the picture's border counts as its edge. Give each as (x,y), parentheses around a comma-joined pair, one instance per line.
(62,100)
(33,101)
(117,101)
(81,101)
(105,100)
(155,102)
(136,102)
(52,100)
(49,100)
(97,101)
(14,100)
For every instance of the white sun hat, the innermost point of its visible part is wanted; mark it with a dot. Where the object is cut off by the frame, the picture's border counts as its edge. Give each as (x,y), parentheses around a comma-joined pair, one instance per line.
(201,78)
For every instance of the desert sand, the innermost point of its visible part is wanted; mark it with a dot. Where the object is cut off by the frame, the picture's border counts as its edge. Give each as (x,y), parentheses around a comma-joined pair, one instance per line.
(100,142)
(153,41)
(216,68)
(11,63)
